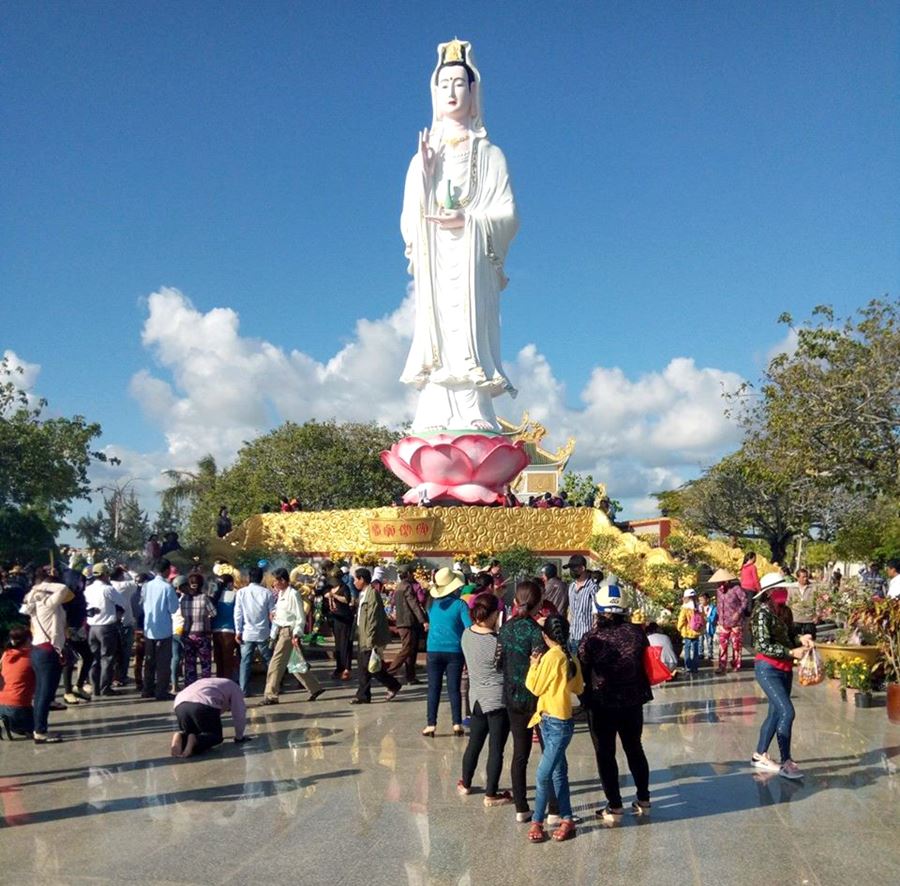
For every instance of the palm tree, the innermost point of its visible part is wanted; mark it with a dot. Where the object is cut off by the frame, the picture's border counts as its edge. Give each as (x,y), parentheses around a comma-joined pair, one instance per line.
(186,488)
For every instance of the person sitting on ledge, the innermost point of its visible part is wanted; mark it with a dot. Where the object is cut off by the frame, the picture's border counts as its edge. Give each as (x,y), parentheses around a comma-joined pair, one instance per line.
(199,708)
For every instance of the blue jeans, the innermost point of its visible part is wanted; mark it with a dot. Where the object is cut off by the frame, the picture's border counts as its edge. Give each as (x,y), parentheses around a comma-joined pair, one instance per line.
(707,646)
(247,649)
(47,671)
(437,663)
(780,719)
(692,654)
(553,768)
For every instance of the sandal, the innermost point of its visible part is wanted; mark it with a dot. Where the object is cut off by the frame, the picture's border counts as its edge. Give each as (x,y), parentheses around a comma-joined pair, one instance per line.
(536,833)
(641,807)
(566,831)
(462,790)
(610,815)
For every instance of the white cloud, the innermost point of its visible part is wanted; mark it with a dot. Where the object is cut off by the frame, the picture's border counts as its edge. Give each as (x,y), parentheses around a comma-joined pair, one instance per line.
(221,388)
(787,345)
(23,375)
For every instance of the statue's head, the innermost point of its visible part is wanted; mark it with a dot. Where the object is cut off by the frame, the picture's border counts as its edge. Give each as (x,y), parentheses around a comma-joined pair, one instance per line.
(456,86)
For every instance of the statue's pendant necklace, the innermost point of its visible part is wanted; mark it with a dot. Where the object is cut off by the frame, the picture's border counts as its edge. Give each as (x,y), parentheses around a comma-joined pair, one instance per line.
(447,199)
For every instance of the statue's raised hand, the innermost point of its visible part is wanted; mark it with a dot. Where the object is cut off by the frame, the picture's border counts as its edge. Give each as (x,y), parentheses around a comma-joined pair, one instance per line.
(448,218)
(426,152)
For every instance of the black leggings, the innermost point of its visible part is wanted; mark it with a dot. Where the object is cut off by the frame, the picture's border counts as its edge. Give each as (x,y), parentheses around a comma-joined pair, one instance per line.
(522,739)
(82,649)
(496,725)
(343,644)
(628,723)
(201,720)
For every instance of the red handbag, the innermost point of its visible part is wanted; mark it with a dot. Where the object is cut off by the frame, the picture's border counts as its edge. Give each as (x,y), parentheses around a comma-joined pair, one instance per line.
(657,672)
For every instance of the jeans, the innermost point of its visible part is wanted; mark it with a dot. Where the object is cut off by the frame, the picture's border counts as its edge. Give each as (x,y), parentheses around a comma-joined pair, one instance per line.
(436,665)
(780,719)
(628,723)
(553,768)
(522,735)
(496,725)
(692,654)
(104,642)
(47,671)
(157,667)
(247,649)
(707,642)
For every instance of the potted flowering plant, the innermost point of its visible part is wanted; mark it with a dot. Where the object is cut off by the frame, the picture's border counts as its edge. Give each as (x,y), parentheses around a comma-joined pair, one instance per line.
(857,674)
(882,618)
(853,639)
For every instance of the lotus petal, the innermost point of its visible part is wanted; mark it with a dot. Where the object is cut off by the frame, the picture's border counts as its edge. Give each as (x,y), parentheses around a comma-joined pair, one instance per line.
(399,468)
(501,465)
(442,463)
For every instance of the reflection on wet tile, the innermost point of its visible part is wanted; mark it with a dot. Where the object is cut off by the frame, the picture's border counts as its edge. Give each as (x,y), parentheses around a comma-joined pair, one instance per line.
(378,804)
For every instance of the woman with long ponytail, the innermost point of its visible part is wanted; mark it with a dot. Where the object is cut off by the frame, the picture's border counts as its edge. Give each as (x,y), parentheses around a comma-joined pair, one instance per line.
(553,678)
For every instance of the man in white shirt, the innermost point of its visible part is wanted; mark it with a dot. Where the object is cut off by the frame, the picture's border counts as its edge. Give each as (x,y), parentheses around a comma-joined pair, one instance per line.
(893,571)
(103,628)
(253,609)
(288,623)
(124,583)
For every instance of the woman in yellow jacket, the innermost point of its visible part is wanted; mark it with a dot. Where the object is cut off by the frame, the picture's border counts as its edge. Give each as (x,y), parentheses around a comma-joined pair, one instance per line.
(553,677)
(691,624)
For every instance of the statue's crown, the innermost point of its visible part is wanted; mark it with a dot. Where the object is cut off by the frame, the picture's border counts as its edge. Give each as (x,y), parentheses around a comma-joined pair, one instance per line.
(454,51)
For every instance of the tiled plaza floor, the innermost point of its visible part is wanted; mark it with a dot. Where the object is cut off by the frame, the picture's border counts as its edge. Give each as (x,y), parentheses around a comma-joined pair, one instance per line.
(329,793)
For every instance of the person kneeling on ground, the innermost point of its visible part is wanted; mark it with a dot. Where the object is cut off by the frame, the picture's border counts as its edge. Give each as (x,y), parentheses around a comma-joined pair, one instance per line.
(199,708)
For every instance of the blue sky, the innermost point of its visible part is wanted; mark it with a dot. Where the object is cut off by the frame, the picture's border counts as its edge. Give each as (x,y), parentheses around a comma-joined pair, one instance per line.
(684,172)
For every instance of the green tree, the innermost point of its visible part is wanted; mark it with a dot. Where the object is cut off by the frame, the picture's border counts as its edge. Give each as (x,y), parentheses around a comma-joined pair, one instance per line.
(44,462)
(120,527)
(831,409)
(750,495)
(518,561)
(326,465)
(579,487)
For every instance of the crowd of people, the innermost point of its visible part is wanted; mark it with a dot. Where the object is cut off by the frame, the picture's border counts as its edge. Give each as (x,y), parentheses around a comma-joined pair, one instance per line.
(520,661)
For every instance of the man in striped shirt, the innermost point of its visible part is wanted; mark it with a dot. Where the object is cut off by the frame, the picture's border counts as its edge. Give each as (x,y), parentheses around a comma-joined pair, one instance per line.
(582,589)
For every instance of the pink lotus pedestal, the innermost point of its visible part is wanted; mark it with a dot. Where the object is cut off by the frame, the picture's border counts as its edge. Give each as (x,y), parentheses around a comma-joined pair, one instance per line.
(469,468)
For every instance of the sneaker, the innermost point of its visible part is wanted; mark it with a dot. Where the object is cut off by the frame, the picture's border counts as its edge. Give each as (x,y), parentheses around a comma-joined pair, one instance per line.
(764,761)
(791,770)
(501,799)
(523,817)
(71,698)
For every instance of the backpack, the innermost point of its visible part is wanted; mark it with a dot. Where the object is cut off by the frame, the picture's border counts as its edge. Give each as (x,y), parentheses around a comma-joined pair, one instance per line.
(697,622)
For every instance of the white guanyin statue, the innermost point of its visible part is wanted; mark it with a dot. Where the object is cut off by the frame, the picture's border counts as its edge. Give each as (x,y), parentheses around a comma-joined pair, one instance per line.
(458,219)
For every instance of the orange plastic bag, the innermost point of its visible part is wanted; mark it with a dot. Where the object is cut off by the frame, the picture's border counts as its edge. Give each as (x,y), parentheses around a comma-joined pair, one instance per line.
(810,672)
